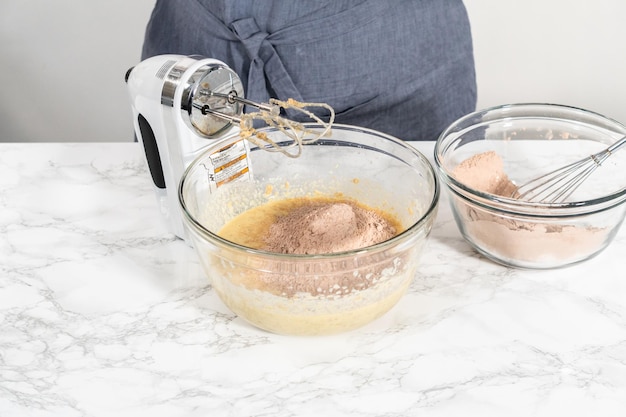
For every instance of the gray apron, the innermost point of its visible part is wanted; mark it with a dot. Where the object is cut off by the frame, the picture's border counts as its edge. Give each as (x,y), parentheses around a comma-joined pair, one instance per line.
(403,67)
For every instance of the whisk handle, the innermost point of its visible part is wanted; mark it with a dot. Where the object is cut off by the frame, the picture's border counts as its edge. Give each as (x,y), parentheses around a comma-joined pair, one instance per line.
(616,145)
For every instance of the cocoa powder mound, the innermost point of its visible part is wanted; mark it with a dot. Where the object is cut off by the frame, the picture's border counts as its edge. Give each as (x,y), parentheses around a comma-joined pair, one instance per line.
(485,172)
(327,227)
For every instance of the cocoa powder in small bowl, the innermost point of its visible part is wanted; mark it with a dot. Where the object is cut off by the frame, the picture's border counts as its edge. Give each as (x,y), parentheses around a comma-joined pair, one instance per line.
(478,155)
(509,236)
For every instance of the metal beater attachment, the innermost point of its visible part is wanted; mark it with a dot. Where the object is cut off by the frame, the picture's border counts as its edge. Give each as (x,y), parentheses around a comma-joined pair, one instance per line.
(232,98)
(270,115)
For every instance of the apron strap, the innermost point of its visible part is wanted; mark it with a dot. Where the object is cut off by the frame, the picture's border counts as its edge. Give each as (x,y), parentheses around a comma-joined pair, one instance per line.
(267,71)
(265,63)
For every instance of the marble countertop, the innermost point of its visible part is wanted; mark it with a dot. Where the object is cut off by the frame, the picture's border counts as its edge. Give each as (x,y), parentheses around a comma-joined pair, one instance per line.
(103,313)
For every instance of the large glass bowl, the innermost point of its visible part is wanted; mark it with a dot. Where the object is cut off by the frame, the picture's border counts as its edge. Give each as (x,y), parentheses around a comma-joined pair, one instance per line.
(314,294)
(533,139)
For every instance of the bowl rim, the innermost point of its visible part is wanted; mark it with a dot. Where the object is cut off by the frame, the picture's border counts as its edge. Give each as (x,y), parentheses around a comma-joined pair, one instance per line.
(429,213)
(514,206)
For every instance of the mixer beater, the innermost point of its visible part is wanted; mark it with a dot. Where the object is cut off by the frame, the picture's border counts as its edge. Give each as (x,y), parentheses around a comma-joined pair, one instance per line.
(269,114)
(182,104)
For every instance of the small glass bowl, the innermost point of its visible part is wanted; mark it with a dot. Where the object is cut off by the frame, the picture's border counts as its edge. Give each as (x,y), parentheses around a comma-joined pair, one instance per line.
(314,294)
(533,139)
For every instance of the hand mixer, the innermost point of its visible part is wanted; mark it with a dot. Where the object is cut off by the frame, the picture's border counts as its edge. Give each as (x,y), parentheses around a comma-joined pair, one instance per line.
(556,186)
(182,104)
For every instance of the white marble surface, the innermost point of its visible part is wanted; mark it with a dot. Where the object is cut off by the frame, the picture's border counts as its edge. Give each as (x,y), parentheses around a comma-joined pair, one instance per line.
(103,313)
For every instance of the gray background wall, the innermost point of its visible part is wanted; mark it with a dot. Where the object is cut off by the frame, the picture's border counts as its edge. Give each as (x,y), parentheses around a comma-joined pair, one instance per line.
(63,61)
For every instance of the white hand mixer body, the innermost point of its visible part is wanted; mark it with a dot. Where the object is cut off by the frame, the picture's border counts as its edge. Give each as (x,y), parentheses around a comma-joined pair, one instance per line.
(168,93)
(183,104)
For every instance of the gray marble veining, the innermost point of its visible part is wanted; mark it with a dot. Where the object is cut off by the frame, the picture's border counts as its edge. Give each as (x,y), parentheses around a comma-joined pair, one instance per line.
(103,313)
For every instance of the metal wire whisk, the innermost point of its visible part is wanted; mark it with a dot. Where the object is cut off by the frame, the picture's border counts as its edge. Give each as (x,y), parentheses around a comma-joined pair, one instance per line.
(556,186)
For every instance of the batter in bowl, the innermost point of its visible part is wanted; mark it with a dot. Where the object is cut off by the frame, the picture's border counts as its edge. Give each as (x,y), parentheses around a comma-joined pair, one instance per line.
(296,301)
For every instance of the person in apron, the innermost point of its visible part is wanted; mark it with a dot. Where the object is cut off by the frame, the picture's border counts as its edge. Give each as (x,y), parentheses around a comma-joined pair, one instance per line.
(403,67)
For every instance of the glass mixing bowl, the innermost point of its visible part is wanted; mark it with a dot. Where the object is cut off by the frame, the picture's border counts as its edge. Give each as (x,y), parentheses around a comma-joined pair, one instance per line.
(533,139)
(313,294)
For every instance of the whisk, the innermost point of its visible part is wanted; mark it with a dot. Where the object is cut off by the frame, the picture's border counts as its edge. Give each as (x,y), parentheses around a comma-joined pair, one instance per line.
(556,186)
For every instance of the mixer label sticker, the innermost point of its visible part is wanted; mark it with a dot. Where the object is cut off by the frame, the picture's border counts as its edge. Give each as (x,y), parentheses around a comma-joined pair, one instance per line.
(239,175)
(230,163)
(228,153)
